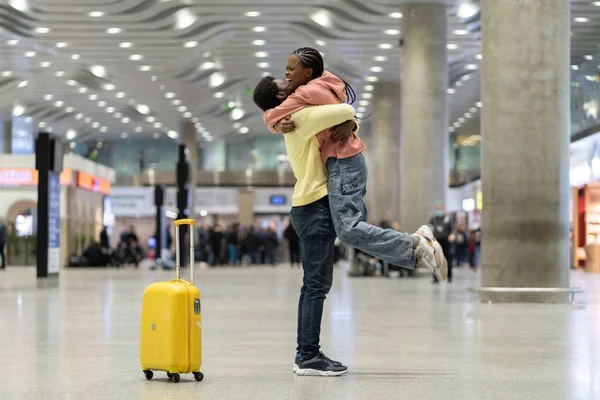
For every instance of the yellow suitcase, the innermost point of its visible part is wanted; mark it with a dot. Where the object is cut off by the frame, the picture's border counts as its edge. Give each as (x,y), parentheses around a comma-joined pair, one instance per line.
(171,331)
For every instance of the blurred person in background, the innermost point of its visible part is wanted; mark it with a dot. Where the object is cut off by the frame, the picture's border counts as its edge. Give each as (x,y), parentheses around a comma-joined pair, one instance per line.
(472,248)
(104,240)
(293,244)
(252,246)
(386,222)
(442,229)
(460,245)
(95,256)
(202,240)
(271,246)
(233,243)
(3,239)
(131,235)
(215,242)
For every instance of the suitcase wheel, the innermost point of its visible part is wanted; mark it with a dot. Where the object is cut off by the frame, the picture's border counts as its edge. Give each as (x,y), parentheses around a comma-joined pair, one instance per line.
(149,374)
(199,376)
(176,378)
(169,375)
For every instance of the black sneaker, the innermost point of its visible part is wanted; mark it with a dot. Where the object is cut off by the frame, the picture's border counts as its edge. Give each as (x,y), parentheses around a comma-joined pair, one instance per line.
(321,365)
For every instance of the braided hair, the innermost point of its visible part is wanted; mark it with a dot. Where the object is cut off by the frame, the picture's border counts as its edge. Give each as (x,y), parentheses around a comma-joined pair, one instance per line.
(311,58)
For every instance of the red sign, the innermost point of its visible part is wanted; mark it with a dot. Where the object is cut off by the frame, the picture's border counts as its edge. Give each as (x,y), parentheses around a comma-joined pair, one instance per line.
(92,183)
(29,177)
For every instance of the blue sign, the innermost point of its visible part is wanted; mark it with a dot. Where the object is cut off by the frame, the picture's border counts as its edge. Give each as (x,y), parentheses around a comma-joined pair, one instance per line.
(53,222)
(278,200)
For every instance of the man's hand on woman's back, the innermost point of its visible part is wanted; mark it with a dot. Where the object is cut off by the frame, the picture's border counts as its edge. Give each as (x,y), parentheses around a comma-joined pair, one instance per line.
(341,133)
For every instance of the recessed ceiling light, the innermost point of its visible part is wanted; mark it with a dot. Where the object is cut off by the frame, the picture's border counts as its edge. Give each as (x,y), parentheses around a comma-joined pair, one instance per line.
(124,135)
(451,46)
(48,97)
(118,115)
(321,43)
(150,119)
(176,102)
(462,120)
(361,109)
(456,125)
(244,129)
(157,125)
(367,95)
(23,84)
(207,65)
(172,134)
(96,14)
(101,103)
(184,19)
(252,14)
(468,115)
(18,110)
(263,65)
(169,95)
(98,70)
(261,54)
(582,19)
(472,66)
(109,86)
(12,42)
(154,78)
(110,109)
(380,58)
(120,95)
(459,83)
(467,10)
(45,64)
(372,79)
(589,57)
(42,124)
(125,45)
(574,67)
(182,108)
(259,29)
(88,120)
(219,95)
(473,109)
(93,96)
(114,31)
(71,82)
(322,17)
(391,32)
(125,120)
(7,73)
(597,3)
(196,119)
(79,116)
(75,56)
(369,88)
(385,46)
(376,69)
(156,135)
(190,44)
(96,125)
(187,115)
(258,42)
(61,45)
(138,129)
(364,103)
(145,68)
(237,125)
(71,134)
(103,129)
(461,32)
(479,57)
(42,29)
(451,129)
(135,57)
(265,74)
(216,79)
(396,15)
(451,91)
(30,54)
(143,109)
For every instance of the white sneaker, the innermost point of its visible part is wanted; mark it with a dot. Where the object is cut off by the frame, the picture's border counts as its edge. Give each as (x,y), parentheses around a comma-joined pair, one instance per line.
(429,253)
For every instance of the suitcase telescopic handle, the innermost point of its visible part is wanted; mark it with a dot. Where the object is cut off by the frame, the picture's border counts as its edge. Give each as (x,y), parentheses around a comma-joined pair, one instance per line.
(179,223)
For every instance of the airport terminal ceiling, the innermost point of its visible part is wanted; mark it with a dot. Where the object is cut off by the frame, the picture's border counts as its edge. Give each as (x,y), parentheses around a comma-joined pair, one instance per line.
(136,68)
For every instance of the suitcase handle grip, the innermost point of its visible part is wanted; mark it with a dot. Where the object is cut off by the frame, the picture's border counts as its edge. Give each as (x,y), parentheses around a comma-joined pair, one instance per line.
(178,223)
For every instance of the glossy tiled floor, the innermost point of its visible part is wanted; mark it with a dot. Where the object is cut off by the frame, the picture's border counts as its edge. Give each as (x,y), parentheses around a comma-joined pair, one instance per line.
(403,339)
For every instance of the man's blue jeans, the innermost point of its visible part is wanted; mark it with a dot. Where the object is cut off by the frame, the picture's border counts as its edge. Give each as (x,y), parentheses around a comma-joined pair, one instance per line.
(347,187)
(314,226)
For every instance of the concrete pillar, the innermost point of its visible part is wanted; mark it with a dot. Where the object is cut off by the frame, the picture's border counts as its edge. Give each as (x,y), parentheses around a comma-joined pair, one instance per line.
(7,136)
(525,159)
(424,119)
(385,152)
(188,130)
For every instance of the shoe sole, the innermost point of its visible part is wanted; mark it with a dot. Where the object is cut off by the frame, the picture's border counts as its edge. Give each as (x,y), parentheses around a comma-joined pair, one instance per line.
(441,272)
(295,368)
(316,372)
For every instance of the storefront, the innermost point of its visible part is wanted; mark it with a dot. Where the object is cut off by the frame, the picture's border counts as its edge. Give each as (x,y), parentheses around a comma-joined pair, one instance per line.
(84,185)
(465,204)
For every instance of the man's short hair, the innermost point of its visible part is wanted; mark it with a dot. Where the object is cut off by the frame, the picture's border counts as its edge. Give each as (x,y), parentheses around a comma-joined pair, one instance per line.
(265,94)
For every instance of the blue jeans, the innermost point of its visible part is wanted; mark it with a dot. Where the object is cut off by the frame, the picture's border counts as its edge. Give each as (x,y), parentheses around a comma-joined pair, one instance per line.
(233,254)
(347,187)
(314,226)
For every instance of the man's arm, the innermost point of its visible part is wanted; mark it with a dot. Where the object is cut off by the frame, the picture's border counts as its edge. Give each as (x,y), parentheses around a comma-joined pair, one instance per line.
(312,120)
